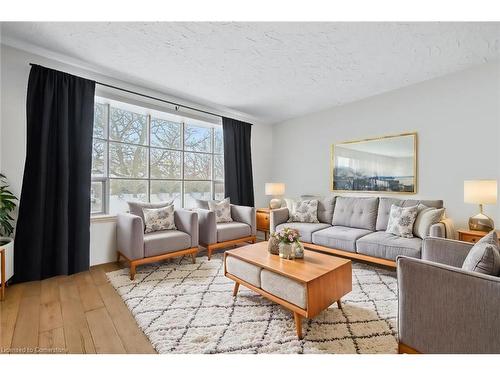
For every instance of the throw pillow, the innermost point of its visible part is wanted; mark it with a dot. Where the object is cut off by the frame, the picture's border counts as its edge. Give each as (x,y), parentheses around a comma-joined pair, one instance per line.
(222,210)
(401,221)
(426,217)
(484,257)
(305,212)
(135,208)
(157,219)
(199,203)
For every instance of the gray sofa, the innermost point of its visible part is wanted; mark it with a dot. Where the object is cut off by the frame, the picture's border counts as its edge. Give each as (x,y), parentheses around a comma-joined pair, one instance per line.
(355,227)
(444,309)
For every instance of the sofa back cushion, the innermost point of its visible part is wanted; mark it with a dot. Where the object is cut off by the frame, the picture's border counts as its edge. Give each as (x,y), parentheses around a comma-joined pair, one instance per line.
(325,209)
(355,212)
(385,203)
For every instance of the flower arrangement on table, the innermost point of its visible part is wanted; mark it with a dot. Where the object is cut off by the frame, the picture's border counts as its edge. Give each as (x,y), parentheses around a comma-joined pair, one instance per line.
(289,244)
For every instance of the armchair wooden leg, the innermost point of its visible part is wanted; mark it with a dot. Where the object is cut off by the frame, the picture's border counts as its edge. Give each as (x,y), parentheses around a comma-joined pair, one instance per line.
(209,253)
(194,257)
(235,289)
(339,304)
(132,271)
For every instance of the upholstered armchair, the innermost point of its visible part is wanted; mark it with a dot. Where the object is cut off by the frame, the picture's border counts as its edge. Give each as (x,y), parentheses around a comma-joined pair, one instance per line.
(215,235)
(137,247)
(443,308)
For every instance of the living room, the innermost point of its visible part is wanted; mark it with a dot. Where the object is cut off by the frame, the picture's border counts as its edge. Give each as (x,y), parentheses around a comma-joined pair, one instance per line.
(251,187)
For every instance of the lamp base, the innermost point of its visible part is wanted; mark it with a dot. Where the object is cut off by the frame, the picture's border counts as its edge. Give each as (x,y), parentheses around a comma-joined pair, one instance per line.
(275,203)
(481,222)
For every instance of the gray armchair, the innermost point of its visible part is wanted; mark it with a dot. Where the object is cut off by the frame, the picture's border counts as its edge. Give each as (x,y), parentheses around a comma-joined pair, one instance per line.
(444,309)
(215,235)
(137,247)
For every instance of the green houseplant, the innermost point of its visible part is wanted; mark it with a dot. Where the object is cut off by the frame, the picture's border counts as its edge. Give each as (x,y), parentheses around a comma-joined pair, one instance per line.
(7,205)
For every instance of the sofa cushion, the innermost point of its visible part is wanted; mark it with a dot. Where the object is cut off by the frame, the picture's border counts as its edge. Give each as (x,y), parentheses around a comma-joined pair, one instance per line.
(384,208)
(426,218)
(355,212)
(284,288)
(484,257)
(167,241)
(305,229)
(339,237)
(388,246)
(243,270)
(232,231)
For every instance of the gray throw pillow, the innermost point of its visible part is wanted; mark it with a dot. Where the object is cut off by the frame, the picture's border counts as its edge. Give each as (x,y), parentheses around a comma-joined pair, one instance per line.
(484,257)
(426,217)
(305,212)
(157,219)
(222,210)
(401,220)
(199,203)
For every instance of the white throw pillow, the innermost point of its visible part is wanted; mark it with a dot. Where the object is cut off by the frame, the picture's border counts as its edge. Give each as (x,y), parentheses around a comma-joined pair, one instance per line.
(305,212)
(222,210)
(426,217)
(157,219)
(401,220)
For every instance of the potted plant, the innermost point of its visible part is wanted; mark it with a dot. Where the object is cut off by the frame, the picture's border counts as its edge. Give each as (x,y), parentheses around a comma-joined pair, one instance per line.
(7,205)
(289,245)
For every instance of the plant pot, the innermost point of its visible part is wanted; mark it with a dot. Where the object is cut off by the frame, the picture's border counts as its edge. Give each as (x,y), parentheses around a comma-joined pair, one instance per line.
(7,243)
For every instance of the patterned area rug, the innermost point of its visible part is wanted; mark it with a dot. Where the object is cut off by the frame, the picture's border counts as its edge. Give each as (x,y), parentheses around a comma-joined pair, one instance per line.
(189,308)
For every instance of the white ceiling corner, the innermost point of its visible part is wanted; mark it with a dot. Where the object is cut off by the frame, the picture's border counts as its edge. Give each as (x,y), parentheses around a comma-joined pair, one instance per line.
(269,71)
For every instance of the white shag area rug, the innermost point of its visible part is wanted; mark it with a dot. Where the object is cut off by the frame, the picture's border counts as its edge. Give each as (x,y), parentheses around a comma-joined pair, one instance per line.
(189,308)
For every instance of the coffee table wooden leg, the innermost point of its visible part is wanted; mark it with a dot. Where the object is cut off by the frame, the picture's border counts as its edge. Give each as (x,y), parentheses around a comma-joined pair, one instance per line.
(235,290)
(339,304)
(298,324)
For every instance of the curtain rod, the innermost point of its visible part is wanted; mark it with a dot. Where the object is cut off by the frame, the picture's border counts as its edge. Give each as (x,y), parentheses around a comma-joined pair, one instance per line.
(177,105)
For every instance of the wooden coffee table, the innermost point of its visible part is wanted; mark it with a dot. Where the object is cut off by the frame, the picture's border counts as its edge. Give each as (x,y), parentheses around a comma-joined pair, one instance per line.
(304,286)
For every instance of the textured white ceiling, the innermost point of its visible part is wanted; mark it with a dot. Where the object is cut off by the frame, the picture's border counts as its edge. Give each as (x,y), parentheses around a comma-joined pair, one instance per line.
(270,71)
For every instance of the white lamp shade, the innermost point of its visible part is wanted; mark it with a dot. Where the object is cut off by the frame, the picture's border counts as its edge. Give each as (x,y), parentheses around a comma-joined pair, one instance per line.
(275,188)
(480,191)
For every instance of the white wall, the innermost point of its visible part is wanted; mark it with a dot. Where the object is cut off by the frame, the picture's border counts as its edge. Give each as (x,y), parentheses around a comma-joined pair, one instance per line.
(14,70)
(457,118)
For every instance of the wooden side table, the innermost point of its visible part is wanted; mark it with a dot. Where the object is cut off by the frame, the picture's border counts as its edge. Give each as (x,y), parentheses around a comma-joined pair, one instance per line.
(473,236)
(264,221)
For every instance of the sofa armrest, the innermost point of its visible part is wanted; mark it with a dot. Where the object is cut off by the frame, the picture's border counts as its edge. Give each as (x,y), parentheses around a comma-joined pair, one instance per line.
(187,222)
(444,251)
(437,230)
(244,214)
(444,309)
(277,217)
(207,226)
(130,236)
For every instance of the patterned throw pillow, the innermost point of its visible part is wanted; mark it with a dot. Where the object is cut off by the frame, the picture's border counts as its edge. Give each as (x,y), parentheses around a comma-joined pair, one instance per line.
(401,220)
(222,210)
(305,212)
(484,257)
(157,219)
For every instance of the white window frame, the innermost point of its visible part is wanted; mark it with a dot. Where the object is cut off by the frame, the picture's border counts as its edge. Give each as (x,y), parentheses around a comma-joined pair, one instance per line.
(150,114)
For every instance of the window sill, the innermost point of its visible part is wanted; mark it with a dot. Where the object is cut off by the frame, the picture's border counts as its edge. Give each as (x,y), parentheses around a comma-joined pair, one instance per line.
(102,218)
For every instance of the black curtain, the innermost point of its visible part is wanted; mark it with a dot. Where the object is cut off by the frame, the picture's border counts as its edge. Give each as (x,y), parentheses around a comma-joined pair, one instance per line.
(53,227)
(238,179)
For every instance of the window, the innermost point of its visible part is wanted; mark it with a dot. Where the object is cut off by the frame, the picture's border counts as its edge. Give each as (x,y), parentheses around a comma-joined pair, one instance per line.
(144,155)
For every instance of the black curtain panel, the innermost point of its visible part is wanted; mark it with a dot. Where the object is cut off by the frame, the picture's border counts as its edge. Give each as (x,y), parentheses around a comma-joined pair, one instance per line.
(238,178)
(53,227)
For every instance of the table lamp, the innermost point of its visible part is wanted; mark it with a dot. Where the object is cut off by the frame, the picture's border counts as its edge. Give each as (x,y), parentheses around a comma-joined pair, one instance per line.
(481,192)
(275,189)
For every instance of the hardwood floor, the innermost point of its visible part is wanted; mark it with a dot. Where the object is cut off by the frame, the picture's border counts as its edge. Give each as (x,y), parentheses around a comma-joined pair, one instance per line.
(80,313)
